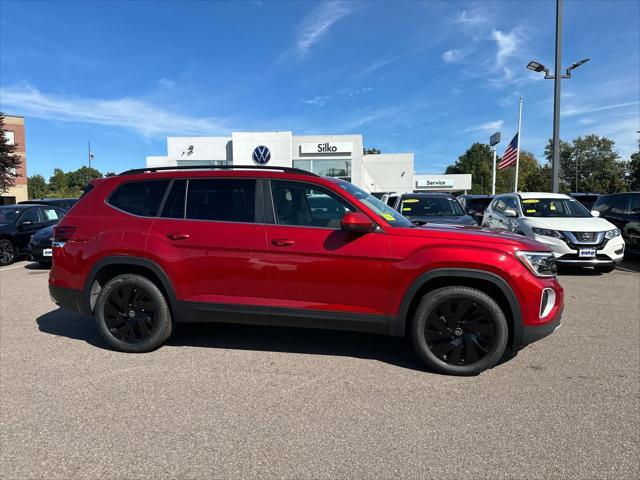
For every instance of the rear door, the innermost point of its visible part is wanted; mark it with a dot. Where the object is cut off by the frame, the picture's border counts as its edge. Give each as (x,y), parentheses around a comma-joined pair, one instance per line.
(318,272)
(29,223)
(210,240)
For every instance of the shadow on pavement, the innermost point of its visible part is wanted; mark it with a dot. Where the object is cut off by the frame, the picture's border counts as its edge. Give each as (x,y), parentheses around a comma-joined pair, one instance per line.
(391,350)
(36,266)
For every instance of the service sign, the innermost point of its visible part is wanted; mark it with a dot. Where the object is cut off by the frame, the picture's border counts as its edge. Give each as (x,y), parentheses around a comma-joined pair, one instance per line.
(434,182)
(327,147)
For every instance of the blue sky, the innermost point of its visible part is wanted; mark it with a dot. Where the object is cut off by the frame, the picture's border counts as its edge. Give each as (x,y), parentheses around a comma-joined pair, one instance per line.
(426,77)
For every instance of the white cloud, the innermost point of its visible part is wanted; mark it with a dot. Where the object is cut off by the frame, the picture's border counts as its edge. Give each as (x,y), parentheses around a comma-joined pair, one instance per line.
(453,56)
(126,112)
(166,82)
(317,24)
(486,127)
(466,17)
(507,44)
(571,111)
(319,101)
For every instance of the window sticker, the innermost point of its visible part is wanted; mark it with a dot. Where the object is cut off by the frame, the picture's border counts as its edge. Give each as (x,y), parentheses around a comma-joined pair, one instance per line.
(51,214)
(531,211)
(552,206)
(406,209)
(411,200)
(531,200)
(388,216)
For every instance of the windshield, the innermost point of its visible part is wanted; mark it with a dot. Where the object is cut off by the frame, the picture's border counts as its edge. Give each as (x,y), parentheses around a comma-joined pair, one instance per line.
(553,207)
(9,214)
(378,206)
(478,203)
(430,207)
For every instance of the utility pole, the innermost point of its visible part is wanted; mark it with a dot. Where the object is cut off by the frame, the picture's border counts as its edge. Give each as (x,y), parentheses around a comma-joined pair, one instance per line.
(515,183)
(555,164)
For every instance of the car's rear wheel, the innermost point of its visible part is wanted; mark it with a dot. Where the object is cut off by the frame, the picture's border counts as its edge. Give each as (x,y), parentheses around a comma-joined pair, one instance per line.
(7,252)
(132,314)
(459,330)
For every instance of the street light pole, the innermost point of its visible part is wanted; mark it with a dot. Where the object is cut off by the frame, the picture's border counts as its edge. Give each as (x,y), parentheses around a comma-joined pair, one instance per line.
(555,165)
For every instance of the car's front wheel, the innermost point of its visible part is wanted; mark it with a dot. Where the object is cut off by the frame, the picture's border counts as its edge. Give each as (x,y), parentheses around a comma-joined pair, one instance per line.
(7,252)
(132,314)
(459,330)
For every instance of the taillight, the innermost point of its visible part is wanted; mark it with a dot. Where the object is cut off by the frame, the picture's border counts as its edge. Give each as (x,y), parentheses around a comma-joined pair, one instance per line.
(62,234)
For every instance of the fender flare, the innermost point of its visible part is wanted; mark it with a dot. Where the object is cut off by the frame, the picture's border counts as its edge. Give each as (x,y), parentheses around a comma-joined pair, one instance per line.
(397,327)
(126,260)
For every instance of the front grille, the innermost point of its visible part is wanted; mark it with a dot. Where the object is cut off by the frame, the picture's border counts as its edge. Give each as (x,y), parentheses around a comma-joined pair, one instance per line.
(586,236)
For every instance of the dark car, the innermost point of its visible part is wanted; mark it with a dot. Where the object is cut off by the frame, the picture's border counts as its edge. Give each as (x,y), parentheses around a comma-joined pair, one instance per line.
(64,203)
(586,199)
(281,246)
(439,208)
(40,245)
(474,205)
(18,223)
(623,210)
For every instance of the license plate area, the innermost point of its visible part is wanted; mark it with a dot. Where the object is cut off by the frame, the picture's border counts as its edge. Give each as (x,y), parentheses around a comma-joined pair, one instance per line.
(587,253)
(47,252)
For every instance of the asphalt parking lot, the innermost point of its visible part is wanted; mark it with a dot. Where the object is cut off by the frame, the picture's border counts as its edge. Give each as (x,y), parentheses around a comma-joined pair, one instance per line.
(240,401)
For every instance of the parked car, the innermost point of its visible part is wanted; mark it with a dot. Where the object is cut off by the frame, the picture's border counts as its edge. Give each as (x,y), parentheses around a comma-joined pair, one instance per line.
(586,199)
(432,208)
(40,246)
(150,247)
(18,223)
(576,237)
(623,210)
(474,205)
(64,203)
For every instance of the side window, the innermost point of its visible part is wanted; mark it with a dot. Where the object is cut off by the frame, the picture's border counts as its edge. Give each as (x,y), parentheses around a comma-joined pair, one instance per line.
(392,201)
(619,204)
(512,203)
(31,215)
(139,198)
(50,214)
(307,205)
(223,200)
(174,204)
(634,205)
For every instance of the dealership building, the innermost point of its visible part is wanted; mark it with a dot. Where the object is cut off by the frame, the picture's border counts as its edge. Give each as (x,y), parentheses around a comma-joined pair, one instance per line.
(338,156)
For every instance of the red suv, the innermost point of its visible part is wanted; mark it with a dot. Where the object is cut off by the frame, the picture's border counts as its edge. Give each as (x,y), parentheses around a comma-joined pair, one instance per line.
(282,246)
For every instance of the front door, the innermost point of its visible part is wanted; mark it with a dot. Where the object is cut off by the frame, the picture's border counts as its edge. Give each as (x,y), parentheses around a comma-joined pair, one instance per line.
(320,273)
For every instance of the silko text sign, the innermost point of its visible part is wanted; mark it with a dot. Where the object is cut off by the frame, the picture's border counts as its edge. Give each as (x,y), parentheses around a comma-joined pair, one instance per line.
(326,147)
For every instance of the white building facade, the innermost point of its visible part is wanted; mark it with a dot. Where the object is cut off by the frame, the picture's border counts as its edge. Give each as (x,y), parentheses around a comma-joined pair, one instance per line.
(333,155)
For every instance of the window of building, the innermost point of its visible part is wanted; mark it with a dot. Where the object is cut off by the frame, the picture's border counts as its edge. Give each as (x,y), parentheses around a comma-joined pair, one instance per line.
(224,200)
(10,136)
(330,168)
(139,198)
(307,205)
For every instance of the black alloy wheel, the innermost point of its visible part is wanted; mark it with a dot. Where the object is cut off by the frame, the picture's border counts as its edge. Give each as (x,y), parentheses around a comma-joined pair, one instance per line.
(459,331)
(130,314)
(7,253)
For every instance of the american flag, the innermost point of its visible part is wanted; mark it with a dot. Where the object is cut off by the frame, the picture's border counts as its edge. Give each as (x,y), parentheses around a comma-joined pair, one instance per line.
(510,154)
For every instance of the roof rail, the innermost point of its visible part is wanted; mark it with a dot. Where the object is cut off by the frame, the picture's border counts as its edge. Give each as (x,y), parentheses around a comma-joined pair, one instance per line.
(217,167)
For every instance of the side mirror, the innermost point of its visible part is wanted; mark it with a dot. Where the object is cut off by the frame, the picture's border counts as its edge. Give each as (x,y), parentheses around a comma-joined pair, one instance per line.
(510,212)
(595,213)
(357,222)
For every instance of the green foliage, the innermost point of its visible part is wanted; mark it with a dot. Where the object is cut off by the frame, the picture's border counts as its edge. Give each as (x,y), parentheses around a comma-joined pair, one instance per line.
(595,163)
(633,175)
(110,174)
(9,160)
(37,186)
(477,161)
(370,151)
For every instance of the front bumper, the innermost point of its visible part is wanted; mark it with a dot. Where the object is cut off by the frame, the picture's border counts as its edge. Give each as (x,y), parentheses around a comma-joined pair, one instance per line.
(533,333)
(608,253)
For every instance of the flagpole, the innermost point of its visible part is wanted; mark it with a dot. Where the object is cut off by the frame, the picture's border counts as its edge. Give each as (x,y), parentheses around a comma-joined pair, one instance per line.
(515,188)
(89,153)
(493,184)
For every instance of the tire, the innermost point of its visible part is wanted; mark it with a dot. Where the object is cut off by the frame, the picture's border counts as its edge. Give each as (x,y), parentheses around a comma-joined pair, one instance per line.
(605,269)
(7,252)
(470,341)
(146,328)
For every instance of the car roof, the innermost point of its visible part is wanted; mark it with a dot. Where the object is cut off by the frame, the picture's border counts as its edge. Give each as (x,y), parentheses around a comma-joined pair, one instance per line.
(525,195)
(472,196)
(427,194)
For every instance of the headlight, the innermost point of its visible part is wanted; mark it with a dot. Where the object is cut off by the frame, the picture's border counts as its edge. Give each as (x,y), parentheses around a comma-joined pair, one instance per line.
(541,264)
(547,233)
(612,233)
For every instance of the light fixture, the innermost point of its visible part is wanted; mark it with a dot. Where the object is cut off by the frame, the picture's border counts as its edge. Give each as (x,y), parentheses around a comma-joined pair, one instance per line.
(536,66)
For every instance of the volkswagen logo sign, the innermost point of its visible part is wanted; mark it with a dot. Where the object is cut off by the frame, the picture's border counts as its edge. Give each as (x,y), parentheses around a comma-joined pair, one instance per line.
(261,155)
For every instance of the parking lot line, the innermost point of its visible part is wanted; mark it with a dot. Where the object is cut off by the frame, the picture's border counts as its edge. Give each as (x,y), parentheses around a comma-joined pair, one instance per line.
(11,268)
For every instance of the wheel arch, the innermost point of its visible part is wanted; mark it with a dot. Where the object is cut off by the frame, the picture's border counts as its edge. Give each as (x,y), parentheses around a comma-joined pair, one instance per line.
(110,267)
(495,286)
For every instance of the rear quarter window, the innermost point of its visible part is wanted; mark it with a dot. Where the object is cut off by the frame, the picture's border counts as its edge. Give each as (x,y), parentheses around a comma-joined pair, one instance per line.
(139,198)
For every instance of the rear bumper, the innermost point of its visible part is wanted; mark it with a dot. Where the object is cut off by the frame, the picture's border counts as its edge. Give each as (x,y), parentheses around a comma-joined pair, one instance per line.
(532,333)
(66,298)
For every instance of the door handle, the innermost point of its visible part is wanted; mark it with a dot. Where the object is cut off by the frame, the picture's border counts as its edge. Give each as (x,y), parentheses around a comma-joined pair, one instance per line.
(282,242)
(177,236)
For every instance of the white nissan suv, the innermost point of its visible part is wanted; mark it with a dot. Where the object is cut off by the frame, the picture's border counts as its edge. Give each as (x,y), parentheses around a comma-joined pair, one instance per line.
(574,235)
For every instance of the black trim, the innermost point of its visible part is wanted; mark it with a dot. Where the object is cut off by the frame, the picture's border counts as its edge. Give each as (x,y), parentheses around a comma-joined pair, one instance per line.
(397,324)
(66,298)
(218,167)
(197,312)
(532,334)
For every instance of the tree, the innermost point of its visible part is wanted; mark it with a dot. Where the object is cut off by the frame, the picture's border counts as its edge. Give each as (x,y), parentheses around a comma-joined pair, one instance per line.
(78,179)
(477,161)
(59,184)
(634,170)
(9,160)
(110,174)
(592,163)
(37,186)
(370,151)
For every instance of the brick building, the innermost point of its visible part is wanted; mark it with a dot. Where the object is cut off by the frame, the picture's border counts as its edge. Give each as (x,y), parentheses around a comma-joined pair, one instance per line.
(14,131)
